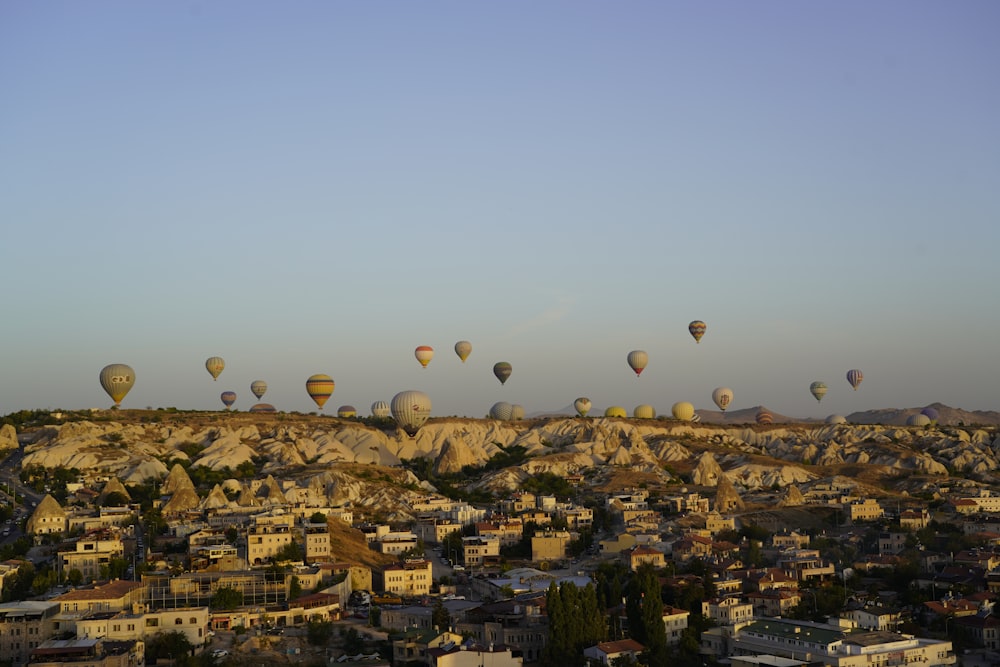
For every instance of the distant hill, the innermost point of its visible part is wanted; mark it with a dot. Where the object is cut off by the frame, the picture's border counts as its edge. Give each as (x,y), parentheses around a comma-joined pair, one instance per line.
(947,416)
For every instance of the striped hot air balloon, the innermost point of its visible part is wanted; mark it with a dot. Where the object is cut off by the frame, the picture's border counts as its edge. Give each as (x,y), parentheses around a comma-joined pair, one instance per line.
(258,388)
(818,390)
(380,409)
(319,387)
(764,417)
(644,411)
(228,398)
(682,410)
(347,411)
(502,370)
(697,330)
(411,410)
(855,377)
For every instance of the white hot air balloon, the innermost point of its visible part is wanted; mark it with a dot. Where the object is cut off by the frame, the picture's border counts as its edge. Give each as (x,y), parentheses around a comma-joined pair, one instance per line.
(380,409)
(502,411)
(410,409)
(723,396)
(582,406)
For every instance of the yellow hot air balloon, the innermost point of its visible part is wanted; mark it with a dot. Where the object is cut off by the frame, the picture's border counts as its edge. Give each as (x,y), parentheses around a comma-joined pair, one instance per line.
(214,366)
(424,354)
(644,411)
(320,387)
(117,380)
(615,411)
(463,349)
(682,410)
(697,330)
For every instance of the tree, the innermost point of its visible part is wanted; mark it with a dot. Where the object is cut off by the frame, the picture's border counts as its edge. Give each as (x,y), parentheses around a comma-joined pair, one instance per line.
(74,577)
(317,517)
(226,598)
(294,588)
(644,608)
(440,618)
(575,622)
(318,632)
(172,645)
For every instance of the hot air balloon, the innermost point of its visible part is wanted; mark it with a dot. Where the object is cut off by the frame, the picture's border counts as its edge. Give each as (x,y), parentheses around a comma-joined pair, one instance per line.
(214,365)
(502,411)
(764,417)
(637,359)
(117,380)
(836,419)
(818,390)
(262,407)
(644,412)
(502,370)
(697,330)
(615,411)
(919,419)
(931,414)
(582,406)
(855,377)
(228,398)
(258,387)
(319,387)
(411,410)
(683,411)
(347,411)
(516,412)
(380,409)
(463,349)
(424,354)
(722,396)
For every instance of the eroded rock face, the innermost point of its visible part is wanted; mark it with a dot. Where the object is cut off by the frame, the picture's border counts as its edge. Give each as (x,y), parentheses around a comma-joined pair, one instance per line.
(752,459)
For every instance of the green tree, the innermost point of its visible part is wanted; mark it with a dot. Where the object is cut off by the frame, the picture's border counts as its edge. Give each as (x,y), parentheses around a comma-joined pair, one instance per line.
(172,645)
(226,598)
(294,588)
(644,608)
(74,577)
(440,618)
(318,632)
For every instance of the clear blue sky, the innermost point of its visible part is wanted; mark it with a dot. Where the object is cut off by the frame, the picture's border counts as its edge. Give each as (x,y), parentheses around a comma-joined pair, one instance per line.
(322,186)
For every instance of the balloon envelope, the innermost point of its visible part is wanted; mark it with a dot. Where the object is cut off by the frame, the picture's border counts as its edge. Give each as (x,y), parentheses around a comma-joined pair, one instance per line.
(502,370)
(228,398)
(410,409)
(682,410)
(463,349)
(502,411)
(424,354)
(637,360)
(214,366)
(697,330)
(931,414)
(723,396)
(582,406)
(319,387)
(818,390)
(855,377)
(117,380)
(615,411)
(919,419)
(262,407)
(764,417)
(258,388)
(516,412)
(644,412)
(380,409)
(836,419)
(347,411)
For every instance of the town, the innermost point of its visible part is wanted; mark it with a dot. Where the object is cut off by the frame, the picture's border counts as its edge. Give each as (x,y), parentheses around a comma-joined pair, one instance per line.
(559,572)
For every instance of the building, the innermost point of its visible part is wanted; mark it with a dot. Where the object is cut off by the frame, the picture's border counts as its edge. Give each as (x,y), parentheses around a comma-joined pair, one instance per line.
(727,611)
(790,540)
(675,623)
(641,555)
(474,655)
(48,518)
(865,510)
(915,519)
(413,645)
(476,550)
(192,622)
(396,544)
(266,540)
(606,652)
(408,579)
(112,596)
(316,542)
(91,553)
(549,545)
(833,646)
(23,627)
(88,653)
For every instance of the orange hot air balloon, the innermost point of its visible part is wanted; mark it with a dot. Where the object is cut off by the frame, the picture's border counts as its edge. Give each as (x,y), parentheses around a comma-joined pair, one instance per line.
(320,387)
(424,354)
